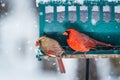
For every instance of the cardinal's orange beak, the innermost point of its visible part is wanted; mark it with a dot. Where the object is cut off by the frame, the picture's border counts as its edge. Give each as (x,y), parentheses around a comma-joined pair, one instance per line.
(65,33)
(37,44)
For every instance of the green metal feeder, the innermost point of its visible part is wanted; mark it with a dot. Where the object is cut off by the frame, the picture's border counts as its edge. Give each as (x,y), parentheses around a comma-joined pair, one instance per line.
(108,32)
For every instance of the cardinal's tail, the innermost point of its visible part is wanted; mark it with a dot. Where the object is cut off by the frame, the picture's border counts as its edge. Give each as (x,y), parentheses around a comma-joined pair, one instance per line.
(61,65)
(104,44)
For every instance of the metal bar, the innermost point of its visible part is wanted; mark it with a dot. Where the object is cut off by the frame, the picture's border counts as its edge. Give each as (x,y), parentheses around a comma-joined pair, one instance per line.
(41,19)
(112,13)
(87,69)
(78,13)
(55,13)
(89,13)
(66,13)
(101,12)
(90,56)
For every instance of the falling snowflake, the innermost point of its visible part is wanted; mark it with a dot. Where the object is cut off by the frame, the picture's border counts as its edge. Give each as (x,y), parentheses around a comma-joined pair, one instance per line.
(96,59)
(54,64)
(47,58)
(37,2)
(109,77)
(47,20)
(36,50)
(62,1)
(36,26)
(41,13)
(94,21)
(6,13)
(19,49)
(28,42)
(3,4)
(79,1)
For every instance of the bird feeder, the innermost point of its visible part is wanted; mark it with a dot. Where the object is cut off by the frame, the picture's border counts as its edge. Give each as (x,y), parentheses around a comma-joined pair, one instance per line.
(105,31)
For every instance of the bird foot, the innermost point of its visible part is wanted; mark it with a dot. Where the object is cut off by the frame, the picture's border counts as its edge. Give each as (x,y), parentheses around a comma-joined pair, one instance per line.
(73,53)
(84,55)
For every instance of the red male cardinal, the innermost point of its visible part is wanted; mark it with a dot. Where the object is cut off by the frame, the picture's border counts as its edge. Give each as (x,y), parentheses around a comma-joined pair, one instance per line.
(53,49)
(81,42)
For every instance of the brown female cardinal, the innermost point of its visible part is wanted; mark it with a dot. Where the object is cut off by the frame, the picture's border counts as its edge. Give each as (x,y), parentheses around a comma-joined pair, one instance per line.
(81,42)
(53,49)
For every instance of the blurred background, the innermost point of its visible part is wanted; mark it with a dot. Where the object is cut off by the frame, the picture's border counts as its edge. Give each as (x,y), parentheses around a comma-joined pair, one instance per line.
(18,33)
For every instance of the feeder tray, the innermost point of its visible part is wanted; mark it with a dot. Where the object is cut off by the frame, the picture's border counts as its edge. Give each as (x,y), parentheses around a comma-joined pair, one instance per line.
(102,30)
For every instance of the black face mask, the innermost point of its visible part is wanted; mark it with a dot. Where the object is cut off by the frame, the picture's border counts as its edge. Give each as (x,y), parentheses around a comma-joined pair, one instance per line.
(68,34)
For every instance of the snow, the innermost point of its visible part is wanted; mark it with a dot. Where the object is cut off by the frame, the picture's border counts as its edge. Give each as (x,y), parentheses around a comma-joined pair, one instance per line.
(48,21)
(3,4)
(94,21)
(54,64)
(95,8)
(113,0)
(79,1)
(72,8)
(60,1)
(45,1)
(37,2)
(47,58)
(19,32)
(49,9)
(19,49)
(60,8)
(83,8)
(117,9)
(106,8)
(41,13)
